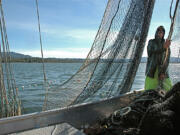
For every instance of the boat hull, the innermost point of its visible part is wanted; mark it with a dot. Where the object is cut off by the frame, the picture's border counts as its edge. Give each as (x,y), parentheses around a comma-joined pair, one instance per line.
(79,116)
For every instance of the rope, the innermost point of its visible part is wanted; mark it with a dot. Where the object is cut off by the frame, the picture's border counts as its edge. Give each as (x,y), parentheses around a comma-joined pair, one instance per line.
(12,102)
(169,36)
(45,79)
(8,97)
(171,28)
(11,74)
(2,76)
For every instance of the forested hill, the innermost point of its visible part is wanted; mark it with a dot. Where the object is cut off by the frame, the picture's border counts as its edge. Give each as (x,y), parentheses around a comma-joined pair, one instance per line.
(18,57)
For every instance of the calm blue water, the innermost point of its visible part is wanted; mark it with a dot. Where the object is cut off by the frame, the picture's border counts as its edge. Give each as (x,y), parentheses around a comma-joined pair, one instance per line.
(29,80)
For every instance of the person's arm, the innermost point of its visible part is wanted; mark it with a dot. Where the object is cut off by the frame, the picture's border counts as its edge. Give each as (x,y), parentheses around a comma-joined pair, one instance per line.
(164,66)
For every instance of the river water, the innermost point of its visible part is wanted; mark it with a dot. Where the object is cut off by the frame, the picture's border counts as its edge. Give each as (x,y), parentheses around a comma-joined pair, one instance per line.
(29,80)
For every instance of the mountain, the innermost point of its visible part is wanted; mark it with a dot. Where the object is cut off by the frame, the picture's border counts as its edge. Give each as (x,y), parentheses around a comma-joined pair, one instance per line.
(17,55)
(175,60)
(172,59)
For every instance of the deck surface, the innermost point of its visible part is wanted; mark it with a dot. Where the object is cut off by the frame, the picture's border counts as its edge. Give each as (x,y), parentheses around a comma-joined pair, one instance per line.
(60,129)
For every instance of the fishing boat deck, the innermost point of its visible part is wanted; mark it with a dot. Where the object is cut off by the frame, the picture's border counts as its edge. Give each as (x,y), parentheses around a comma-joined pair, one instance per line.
(59,129)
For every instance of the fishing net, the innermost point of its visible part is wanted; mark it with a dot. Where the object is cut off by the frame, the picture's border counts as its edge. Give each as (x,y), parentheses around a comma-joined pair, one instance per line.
(111,65)
(175,47)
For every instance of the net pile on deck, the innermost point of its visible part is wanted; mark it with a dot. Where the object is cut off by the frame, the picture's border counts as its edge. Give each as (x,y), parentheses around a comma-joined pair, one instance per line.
(151,113)
(113,60)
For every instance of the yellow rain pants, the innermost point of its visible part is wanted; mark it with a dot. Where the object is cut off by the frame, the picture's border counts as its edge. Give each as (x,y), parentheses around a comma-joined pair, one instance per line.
(153,83)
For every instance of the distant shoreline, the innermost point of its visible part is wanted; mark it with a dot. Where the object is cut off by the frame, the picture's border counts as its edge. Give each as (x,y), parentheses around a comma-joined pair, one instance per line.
(63,60)
(46,60)
(21,58)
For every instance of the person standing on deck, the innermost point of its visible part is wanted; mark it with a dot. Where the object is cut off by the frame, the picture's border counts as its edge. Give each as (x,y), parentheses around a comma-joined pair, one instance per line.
(156,72)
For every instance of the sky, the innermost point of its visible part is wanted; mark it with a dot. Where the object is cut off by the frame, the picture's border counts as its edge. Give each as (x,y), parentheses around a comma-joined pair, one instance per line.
(68,26)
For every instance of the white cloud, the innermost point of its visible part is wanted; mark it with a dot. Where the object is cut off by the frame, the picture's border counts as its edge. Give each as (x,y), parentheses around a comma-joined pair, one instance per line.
(78,34)
(81,34)
(60,53)
(57,32)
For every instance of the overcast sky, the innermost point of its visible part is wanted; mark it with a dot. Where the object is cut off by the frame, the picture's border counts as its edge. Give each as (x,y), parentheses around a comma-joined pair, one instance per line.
(68,26)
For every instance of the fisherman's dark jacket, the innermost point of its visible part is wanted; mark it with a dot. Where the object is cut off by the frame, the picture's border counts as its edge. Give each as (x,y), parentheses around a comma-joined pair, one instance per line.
(156,54)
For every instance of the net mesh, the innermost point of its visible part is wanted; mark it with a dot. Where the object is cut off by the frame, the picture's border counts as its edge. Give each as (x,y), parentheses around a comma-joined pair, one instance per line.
(176,35)
(112,62)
